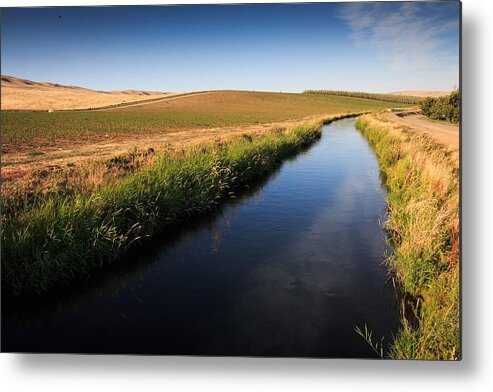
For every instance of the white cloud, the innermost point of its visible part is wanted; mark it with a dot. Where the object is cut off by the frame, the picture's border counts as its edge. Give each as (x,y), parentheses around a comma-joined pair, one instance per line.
(409,36)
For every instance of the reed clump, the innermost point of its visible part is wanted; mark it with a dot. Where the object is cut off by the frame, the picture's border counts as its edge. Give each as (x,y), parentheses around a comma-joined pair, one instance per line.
(64,225)
(422,178)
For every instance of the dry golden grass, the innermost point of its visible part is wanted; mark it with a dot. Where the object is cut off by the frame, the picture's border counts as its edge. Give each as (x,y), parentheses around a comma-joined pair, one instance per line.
(444,133)
(422,177)
(21,94)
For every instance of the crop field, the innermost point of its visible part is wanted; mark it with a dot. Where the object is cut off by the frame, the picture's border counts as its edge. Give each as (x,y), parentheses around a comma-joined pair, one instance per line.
(24,130)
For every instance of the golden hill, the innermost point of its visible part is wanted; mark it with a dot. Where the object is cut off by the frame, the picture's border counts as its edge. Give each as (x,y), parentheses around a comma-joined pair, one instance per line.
(22,94)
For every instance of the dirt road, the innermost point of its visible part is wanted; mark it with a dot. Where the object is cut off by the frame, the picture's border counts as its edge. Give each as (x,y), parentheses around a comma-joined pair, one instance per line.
(443,133)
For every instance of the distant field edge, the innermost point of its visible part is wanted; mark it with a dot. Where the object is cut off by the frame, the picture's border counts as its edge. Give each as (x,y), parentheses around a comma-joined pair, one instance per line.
(404,99)
(422,179)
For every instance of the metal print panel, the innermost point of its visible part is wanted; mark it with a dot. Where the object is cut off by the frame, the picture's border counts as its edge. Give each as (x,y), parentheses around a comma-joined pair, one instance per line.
(271,180)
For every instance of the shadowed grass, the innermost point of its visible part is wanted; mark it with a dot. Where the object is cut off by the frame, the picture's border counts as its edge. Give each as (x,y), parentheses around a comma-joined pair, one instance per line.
(423,202)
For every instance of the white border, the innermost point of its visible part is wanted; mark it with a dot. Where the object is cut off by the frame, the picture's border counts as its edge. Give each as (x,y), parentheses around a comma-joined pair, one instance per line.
(133,373)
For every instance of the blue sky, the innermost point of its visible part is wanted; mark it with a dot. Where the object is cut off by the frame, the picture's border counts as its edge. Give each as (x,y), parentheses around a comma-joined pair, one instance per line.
(278,47)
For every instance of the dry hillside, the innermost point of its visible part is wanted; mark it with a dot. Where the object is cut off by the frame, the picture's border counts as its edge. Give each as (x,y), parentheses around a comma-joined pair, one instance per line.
(22,94)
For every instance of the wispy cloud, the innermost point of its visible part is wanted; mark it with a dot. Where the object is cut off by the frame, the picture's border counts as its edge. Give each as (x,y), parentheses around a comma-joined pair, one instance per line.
(409,36)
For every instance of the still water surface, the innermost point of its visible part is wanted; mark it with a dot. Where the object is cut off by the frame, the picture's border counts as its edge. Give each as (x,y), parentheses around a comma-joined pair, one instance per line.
(287,270)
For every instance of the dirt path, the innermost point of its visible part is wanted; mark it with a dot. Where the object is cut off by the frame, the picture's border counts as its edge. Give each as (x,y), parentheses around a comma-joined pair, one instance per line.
(446,134)
(169,97)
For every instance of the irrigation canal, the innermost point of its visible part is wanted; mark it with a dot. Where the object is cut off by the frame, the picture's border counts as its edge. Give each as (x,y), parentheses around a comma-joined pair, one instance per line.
(288,269)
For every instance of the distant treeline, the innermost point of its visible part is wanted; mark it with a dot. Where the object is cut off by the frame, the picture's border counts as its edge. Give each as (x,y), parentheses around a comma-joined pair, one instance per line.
(405,99)
(442,108)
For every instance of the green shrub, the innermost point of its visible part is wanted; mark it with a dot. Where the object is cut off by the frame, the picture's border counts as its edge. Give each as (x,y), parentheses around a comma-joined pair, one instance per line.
(442,108)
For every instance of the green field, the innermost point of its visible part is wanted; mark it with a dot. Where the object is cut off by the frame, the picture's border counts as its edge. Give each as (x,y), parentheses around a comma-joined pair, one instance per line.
(217,109)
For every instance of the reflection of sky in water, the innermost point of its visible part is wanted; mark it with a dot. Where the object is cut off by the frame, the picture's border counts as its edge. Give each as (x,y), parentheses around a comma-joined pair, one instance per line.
(288,270)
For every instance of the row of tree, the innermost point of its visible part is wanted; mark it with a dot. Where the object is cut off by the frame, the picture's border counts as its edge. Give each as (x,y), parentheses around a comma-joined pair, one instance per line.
(442,108)
(404,99)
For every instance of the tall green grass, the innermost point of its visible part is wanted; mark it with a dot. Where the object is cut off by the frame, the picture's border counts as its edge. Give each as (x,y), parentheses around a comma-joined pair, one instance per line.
(56,237)
(423,202)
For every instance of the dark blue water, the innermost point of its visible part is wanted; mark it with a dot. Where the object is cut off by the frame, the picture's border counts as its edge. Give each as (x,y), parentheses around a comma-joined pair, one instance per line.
(287,270)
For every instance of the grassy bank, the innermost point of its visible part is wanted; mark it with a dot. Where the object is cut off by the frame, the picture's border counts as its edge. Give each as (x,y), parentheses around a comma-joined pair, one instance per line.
(423,201)
(89,216)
